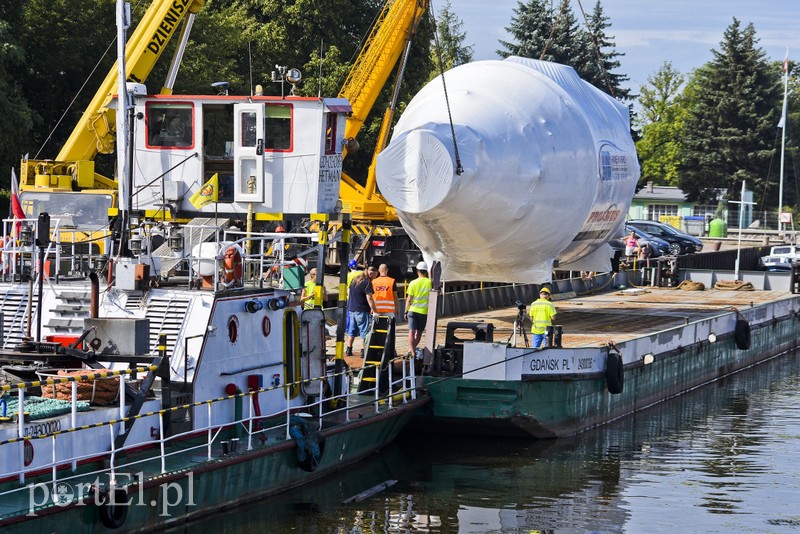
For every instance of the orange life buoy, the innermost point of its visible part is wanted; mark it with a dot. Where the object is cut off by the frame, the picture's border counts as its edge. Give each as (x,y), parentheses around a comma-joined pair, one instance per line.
(232,265)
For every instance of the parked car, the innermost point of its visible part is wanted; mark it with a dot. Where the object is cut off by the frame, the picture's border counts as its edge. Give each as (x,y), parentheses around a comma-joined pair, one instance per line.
(780,258)
(680,243)
(659,246)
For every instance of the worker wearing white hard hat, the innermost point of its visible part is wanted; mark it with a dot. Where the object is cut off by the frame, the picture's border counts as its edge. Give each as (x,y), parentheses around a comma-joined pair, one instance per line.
(417,306)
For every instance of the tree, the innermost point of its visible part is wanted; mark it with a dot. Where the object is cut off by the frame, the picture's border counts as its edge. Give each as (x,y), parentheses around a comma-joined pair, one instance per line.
(530,28)
(661,121)
(734,105)
(602,57)
(17,115)
(566,43)
(542,33)
(70,48)
(450,37)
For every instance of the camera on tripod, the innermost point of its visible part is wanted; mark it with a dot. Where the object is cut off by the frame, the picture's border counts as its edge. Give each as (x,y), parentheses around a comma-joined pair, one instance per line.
(519,323)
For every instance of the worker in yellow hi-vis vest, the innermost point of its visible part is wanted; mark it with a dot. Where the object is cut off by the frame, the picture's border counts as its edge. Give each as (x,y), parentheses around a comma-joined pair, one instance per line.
(542,313)
(417,307)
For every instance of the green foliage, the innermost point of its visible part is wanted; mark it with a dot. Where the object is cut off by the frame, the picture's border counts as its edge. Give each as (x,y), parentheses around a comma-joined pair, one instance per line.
(17,115)
(603,58)
(730,127)
(451,37)
(661,121)
(417,73)
(530,29)
(69,50)
(540,32)
(55,53)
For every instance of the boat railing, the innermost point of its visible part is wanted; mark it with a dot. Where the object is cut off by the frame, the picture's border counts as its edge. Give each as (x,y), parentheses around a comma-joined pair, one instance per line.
(18,243)
(329,411)
(264,255)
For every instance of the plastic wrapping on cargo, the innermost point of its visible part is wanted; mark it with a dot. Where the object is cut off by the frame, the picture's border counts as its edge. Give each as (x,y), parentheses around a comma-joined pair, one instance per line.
(548,171)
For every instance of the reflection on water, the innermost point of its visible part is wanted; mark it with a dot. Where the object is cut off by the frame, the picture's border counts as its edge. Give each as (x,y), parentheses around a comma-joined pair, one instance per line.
(725,458)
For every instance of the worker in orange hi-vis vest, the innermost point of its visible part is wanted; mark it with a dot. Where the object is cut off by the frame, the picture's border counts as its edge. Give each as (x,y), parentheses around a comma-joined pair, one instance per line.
(384,292)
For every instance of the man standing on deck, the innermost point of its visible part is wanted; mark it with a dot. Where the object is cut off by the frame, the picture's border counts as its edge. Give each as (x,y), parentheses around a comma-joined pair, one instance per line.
(384,292)
(417,306)
(360,306)
(352,275)
(542,313)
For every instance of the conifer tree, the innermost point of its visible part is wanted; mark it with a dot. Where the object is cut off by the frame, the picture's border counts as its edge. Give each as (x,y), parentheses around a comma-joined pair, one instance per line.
(530,28)
(564,45)
(540,32)
(17,115)
(451,37)
(733,111)
(602,58)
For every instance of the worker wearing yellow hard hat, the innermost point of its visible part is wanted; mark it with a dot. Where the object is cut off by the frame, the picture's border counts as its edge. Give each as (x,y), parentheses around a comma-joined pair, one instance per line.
(542,313)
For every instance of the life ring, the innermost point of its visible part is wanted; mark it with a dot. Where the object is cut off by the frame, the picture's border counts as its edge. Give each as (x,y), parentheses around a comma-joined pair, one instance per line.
(113,510)
(615,374)
(232,266)
(742,334)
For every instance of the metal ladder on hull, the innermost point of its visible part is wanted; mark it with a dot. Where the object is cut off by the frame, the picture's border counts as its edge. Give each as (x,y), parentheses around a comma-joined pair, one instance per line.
(380,351)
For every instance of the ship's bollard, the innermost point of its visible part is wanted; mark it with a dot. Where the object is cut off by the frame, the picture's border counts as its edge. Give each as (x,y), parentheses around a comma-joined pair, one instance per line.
(558,331)
(549,332)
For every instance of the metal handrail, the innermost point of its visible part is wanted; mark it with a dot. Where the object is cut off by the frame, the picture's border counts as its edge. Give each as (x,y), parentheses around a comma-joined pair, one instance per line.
(212,431)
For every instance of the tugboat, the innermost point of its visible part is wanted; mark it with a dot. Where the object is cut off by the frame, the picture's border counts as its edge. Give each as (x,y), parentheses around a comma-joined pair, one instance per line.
(178,400)
(194,380)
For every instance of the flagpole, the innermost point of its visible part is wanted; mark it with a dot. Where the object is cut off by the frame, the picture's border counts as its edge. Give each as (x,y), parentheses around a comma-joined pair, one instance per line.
(783,138)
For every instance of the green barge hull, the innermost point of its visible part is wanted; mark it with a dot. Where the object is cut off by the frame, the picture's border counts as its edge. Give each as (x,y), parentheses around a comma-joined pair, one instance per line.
(668,344)
(193,486)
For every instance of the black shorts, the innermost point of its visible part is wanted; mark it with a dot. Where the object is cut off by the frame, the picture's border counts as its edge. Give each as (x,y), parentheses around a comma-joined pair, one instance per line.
(417,321)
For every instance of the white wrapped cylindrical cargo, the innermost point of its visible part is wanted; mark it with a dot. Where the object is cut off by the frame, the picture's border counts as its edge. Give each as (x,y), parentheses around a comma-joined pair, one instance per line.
(549,170)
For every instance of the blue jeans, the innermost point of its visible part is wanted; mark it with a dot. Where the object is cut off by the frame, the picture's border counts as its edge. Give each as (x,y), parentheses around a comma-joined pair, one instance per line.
(539,340)
(359,324)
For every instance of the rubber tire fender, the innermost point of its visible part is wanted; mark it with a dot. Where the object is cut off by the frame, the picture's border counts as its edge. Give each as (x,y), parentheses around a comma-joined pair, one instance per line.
(615,374)
(742,334)
(114,511)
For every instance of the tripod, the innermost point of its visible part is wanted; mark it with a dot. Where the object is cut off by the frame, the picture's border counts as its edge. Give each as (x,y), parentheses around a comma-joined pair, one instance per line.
(519,328)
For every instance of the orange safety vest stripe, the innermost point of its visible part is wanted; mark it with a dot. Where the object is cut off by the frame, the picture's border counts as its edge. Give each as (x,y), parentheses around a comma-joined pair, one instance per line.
(383,294)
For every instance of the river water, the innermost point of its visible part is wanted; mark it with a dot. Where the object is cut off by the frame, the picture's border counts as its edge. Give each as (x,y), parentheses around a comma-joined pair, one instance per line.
(725,458)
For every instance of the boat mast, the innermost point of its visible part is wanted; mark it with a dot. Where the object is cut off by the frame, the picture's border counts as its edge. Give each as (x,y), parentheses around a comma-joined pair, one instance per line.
(782,125)
(123,21)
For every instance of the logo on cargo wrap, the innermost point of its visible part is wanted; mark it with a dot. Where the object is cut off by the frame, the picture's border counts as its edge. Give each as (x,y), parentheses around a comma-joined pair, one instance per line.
(613,163)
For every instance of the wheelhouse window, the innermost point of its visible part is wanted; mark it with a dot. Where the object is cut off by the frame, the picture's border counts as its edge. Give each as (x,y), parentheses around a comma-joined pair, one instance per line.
(249,129)
(330,134)
(170,125)
(278,128)
(85,211)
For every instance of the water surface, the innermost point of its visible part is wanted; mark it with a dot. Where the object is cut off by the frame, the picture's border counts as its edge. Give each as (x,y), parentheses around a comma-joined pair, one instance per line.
(725,458)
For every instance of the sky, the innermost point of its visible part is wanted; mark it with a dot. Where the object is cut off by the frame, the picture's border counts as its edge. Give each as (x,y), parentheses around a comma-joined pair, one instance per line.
(650,33)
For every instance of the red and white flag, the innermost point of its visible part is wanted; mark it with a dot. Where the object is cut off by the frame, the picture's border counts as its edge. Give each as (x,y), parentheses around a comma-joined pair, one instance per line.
(17,212)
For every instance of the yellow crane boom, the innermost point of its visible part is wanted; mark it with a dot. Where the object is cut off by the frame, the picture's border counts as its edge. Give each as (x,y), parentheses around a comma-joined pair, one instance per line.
(73,168)
(390,37)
